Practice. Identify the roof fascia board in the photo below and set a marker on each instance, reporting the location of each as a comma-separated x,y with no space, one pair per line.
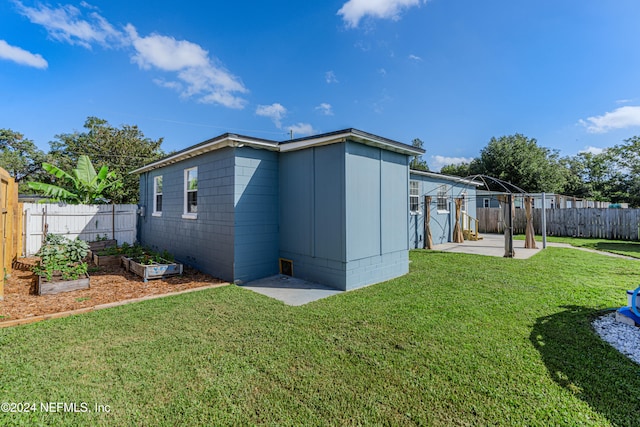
446,177
356,137
228,141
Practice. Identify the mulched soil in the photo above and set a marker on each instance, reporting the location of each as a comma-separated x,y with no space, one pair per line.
108,285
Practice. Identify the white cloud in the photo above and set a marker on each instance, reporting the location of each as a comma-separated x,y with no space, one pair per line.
415,58
198,74
382,72
620,118
437,162
301,129
21,56
593,150
354,10
330,77
166,53
66,23
325,109
276,112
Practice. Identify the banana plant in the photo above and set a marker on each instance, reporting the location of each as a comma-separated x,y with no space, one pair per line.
85,185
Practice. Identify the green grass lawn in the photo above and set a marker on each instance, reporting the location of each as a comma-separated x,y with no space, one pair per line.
627,248
460,340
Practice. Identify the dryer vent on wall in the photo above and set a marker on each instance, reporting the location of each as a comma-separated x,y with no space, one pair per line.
286,267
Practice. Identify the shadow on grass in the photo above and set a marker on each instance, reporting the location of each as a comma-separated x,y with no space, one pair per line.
630,249
579,361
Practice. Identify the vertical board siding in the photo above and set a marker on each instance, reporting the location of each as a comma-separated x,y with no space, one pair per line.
86,222
256,214
600,223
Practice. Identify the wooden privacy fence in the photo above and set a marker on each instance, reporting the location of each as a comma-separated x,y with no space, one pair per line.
87,222
10,225
601,223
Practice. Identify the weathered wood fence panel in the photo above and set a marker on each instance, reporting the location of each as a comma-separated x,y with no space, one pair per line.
10,226
87,222
602,223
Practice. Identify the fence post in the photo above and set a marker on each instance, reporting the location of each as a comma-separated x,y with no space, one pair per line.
544,221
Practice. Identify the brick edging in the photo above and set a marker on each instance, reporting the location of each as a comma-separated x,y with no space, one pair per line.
61,314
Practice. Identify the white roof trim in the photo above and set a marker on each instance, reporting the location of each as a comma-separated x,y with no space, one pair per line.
445,177
228,141
344,136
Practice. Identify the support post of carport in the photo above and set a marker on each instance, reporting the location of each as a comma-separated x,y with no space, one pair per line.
508,229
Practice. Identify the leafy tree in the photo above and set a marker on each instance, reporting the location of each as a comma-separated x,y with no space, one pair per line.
594,176
462,169
19,156
417,162
84,185
122,149
521,161
627,158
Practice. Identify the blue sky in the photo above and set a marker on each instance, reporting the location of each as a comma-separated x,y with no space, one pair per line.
453,73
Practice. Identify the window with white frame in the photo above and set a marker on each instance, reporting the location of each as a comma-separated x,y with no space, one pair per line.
485,202
442,204
414,197
157,195
463,196
190,193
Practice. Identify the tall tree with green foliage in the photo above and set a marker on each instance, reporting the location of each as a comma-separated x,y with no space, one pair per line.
519,160
460,169
594,176
82,185
627,158
417,162
121,149
19,156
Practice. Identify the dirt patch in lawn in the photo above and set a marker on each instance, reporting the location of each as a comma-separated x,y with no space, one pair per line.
108,285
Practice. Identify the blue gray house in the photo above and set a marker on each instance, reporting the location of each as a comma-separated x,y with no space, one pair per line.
330,208
442,190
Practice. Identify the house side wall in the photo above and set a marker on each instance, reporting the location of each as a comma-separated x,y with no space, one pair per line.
442,221
312,225
376,215
206,243
256,214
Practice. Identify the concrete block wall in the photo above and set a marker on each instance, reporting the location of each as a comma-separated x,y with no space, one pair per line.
206,242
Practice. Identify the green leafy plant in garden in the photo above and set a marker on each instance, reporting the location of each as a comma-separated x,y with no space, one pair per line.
83,184
62,257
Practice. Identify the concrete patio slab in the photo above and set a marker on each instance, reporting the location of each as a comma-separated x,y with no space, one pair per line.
290,290
490,245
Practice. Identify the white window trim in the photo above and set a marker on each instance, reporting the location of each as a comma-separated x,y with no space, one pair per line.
486,203
465,200
445,197
156,212
416,196
185,214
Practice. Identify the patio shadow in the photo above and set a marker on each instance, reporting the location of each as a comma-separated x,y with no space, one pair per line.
579,361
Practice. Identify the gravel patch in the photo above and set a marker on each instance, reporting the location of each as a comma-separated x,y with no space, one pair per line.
624,338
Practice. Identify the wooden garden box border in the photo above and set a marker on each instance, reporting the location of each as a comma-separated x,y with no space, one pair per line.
53,287
153,271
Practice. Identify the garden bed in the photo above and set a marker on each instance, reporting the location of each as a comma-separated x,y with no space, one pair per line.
108,285
106,260
57,285
153,269
102,244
